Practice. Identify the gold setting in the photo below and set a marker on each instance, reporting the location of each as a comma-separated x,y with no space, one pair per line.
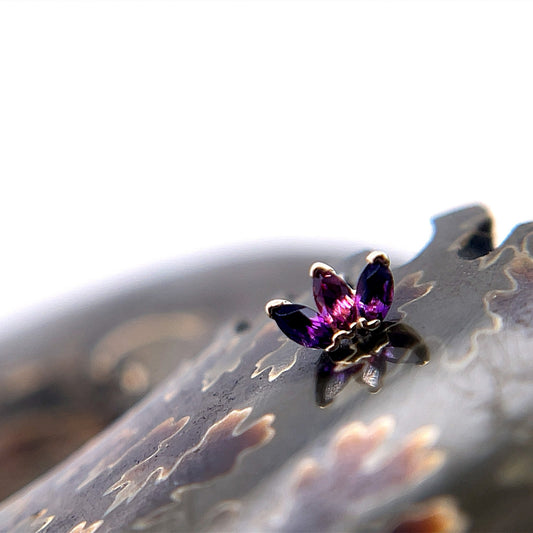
277,302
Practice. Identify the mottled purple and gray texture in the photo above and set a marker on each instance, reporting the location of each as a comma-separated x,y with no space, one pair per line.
233,438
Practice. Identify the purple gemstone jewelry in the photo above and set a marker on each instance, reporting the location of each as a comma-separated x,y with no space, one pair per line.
341,310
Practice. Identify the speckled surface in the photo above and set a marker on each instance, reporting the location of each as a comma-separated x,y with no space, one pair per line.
234,439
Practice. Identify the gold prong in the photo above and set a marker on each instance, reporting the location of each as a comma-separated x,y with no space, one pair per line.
377,256
373,324
337,337
318,266
363,323
273,304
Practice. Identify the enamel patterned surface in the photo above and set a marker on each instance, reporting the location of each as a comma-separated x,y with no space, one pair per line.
237,436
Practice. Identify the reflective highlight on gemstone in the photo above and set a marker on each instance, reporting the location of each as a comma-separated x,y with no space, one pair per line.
302,325
334,298
342,312
375,290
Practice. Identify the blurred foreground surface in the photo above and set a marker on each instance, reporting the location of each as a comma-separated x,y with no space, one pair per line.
244,430
67,376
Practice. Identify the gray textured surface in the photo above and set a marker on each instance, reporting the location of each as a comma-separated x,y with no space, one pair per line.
234,438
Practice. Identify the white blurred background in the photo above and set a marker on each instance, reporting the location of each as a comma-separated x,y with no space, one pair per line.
139,133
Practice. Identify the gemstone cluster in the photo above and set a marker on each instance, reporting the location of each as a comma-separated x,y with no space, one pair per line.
341,310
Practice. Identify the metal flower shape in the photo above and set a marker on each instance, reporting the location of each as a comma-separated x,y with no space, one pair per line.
341,310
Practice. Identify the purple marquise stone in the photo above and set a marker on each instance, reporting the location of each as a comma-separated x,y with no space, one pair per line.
334,298
374,292
303,325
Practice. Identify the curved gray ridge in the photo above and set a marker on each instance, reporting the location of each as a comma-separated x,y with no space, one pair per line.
206,445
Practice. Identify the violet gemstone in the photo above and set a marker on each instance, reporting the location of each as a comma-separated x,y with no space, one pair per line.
303,325
375,290
335,299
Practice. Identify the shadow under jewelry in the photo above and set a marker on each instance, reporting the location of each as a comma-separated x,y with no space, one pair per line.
364,358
